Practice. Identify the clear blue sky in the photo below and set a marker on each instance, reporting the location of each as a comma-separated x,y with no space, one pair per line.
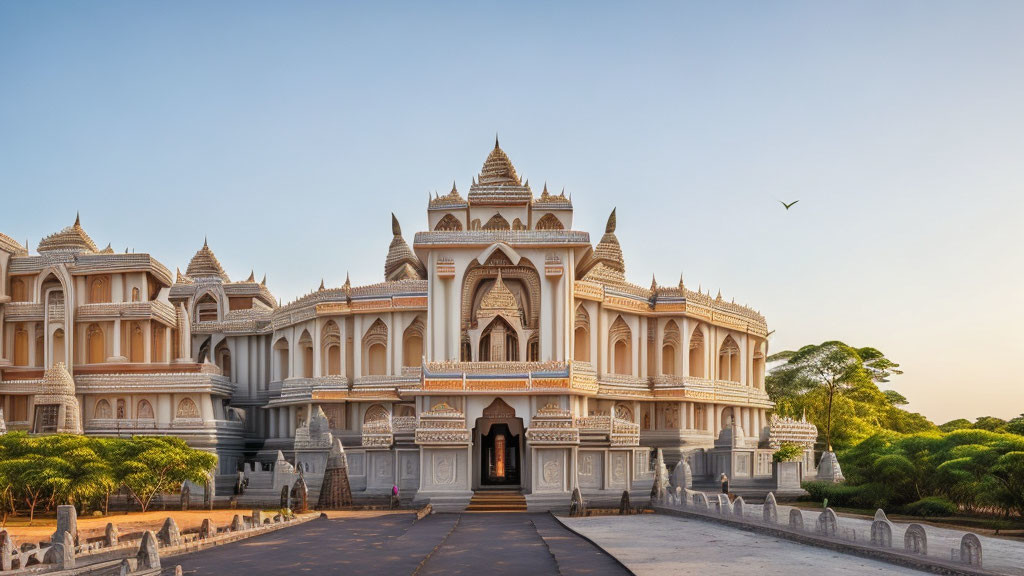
287,133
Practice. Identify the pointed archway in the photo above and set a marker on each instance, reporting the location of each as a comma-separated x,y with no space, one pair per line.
498,440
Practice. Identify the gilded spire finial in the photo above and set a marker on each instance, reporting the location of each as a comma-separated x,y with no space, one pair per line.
654,282
681,285
252,275
321,284
395,228
264,281
348,283
454,189
78,219
205,244
719,297
610,226
496,141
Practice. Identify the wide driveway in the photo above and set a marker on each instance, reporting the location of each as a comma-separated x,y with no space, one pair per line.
490,544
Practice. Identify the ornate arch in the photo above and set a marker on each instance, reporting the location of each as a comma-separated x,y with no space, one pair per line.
449,223
412,343
103,411
620,347
95,344
144,410
549,222
669,347
376,414
187,409
525,273
375,349
697,353
581,334
497,222
330,348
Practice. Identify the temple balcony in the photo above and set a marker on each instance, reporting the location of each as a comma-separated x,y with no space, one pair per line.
605,428
507,377
378,434
23,312
118,426
152,310
693,388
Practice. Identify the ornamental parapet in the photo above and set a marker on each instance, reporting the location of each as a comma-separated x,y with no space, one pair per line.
552,426
511,237
135,382
692,388
442,425
787,429
23,312
378,434
620,432
152,310
403,424
507,377
294,389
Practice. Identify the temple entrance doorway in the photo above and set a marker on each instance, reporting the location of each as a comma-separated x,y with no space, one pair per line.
498,438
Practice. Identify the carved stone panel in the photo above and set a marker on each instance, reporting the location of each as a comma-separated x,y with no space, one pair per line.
356,464
618,470
550,471
409,466
445,469
591,469
381,473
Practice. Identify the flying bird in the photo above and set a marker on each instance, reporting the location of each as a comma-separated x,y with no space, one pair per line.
790,205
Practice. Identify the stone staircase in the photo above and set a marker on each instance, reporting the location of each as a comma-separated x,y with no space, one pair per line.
497,501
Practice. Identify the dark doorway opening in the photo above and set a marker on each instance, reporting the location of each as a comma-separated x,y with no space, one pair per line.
499,457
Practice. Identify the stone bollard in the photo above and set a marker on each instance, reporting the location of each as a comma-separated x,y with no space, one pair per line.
576,506
125,568
169,535
6,550
237,525
770,510
970,550
915,540
177,570
62,554
149,553
827,524
737,507
724,506
257,518
881,532
111,535
206,529
796,519
880,515
67,521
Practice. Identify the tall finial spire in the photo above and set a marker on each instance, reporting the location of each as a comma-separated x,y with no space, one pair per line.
264,281
321,284
205,245
496,141
348,283
395,228
252,276
78,219
610,227
654,282
454,189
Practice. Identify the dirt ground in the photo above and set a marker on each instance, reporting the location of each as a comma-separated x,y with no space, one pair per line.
92,526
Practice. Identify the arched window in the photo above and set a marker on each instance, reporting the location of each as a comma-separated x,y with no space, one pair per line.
375,342
136,348
158,342
533,349
499,342
620,340
222,357
449,223
758,380
281,351
698,417
121,412
517,224
330,349
497,222
549,222
306,351
136,297
670,343
144,411
581,345
103,410
729,361
697,353
58,347
206,308
99,289
376,416
412,344
40,346
20,345
95,344
466,349
187,409
19,292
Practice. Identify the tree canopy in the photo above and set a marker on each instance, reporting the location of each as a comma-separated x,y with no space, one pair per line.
836,385
81,470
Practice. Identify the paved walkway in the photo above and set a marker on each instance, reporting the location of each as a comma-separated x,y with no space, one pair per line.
656,545
491,544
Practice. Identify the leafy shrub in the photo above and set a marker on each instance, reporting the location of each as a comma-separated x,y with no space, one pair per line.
931,506
788,452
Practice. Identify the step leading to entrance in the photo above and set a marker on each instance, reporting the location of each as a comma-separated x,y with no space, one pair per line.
497,501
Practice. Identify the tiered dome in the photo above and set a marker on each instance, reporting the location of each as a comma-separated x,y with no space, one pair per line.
70,239
499,300
401,263
205,265
498,169
610,266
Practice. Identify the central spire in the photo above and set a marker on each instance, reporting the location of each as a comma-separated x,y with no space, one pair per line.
498,169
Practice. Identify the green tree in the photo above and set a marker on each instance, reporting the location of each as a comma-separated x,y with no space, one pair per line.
990,423
958,424
147,466
829,370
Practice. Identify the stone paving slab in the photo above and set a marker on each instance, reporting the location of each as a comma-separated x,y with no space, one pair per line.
489,544
656,545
